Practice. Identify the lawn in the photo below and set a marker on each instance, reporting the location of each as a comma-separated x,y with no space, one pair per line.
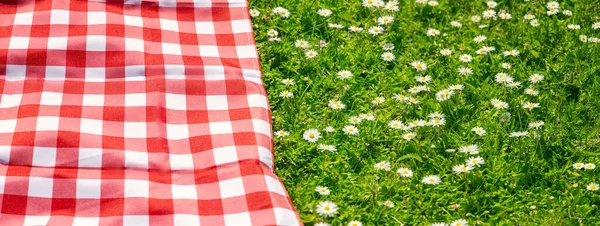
434,113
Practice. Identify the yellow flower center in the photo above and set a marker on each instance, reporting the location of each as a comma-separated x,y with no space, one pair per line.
312,135
327,208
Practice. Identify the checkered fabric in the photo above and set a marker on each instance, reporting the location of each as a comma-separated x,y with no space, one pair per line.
134,113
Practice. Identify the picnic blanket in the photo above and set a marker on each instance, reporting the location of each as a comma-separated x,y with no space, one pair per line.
134,113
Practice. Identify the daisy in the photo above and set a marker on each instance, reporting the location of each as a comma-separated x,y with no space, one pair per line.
272,32
378,100
574,26
535,78
456,87
368,116
432,179
498,104
455,24
475,161
344,74
465,71
551,12
327,208
275,39
421,1
490,13
385,20
567,12
596,25
503,78
388,56
505,16
420,66
459,222
281,133
590,166
311,135
476,18
592,187
465,58
462,168
506,65
324,12
436,115
578,165
423,79
472,149
392,5
388,203
376,30
395,124
332,25
479,38
282,12
536,125
352,130
445,52
513,84
529,16
286,94
478,130
552,5
505,117
329,129
327,147
519,134
491,4
288,82
323,190
433,3
409,136
435,122
444,94
438,224
322,224
531,92
355,120
383,165
254,13
354,223
583,38
433,32
368,3
388,46
530,106
534,23
336,104
311,54
405,172
355,29
513,52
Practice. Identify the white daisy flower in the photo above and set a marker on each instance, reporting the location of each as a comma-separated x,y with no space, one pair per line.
475,161
388,46
459,222
592,187
409,136
336,104
433,32
281,133
432,179
420,66
535,78
455,24
323,190
378,100
352,130
385,20
388,56
311,135
395,124
286,94
383,165
505,117
462,168
478,130
311,54
445,52
465,58
324,12
589,166
405,172
354,223
376,30
254,13
479,38
327,208
355,29
344,74
531,106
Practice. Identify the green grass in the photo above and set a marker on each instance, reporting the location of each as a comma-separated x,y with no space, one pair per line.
524,181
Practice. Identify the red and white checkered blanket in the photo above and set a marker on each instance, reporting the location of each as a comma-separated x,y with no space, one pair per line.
134,113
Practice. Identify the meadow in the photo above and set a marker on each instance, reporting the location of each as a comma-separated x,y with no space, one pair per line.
434,112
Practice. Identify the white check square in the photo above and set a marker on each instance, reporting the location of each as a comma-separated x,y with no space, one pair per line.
40,187
88,188
91,126
44,156
231,188
216,102
47,123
